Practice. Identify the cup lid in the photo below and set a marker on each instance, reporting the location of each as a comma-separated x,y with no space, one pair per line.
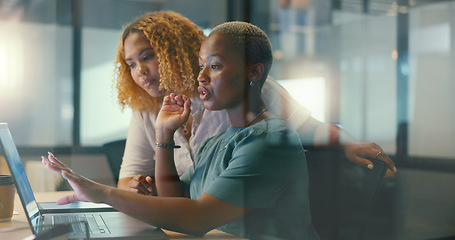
6,180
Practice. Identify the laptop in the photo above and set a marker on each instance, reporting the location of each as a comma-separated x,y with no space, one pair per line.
102,224
50,206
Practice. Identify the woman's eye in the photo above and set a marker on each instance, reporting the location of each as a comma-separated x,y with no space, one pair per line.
213,66
148,56
132,65
200,67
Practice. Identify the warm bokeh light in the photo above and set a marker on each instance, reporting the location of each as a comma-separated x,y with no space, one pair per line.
310,92
394,54
2,65
11,70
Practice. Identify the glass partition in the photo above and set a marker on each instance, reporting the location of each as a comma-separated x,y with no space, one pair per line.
35,74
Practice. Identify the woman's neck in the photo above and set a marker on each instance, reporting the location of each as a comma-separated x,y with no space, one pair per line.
244,115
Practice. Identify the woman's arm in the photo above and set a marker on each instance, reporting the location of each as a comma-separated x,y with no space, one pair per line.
185,215
315,133
189,216
173,114
356,151
138,157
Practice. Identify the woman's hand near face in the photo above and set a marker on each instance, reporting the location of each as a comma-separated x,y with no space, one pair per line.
173,114
85,189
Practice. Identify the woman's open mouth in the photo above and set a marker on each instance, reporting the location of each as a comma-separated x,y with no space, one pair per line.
203,93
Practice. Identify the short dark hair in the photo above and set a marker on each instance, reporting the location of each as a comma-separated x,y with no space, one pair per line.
258,48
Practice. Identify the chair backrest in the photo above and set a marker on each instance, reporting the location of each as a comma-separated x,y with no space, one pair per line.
342,194
114,153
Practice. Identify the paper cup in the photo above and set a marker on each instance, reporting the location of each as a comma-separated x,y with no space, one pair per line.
7,193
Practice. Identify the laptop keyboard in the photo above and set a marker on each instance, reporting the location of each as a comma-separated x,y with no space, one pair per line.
95,222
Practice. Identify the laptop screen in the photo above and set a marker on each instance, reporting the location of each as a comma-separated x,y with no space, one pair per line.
9,151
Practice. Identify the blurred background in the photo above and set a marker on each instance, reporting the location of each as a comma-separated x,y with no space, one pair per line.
382,69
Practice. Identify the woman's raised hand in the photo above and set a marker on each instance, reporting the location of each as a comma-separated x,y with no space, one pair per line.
174,113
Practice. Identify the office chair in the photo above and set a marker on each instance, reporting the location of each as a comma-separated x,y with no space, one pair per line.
342,194
114,154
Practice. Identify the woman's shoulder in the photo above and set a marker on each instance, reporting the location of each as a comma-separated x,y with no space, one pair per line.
271,128
144,118
145,114
268,138
272,125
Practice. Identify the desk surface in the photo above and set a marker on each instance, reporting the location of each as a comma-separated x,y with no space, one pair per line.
18,228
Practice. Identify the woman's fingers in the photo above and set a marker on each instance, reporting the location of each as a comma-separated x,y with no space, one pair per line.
51,165
138,185
376,152
52,158
55,161
68,199
86,190
172,98
187,106
166,100
381,155
175,99
151,186
359,152
180,99
54,164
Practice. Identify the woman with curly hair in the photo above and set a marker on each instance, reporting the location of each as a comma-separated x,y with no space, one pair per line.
158,54
174,41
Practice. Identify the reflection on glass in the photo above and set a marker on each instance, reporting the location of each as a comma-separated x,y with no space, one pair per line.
310,92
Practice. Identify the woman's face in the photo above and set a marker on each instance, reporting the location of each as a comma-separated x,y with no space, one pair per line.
222,77
143,63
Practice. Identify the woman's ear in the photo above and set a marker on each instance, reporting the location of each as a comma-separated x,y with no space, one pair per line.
257,72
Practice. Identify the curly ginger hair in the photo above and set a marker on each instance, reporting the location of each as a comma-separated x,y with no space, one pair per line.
176,41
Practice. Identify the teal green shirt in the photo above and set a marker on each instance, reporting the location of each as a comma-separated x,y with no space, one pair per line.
261,168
